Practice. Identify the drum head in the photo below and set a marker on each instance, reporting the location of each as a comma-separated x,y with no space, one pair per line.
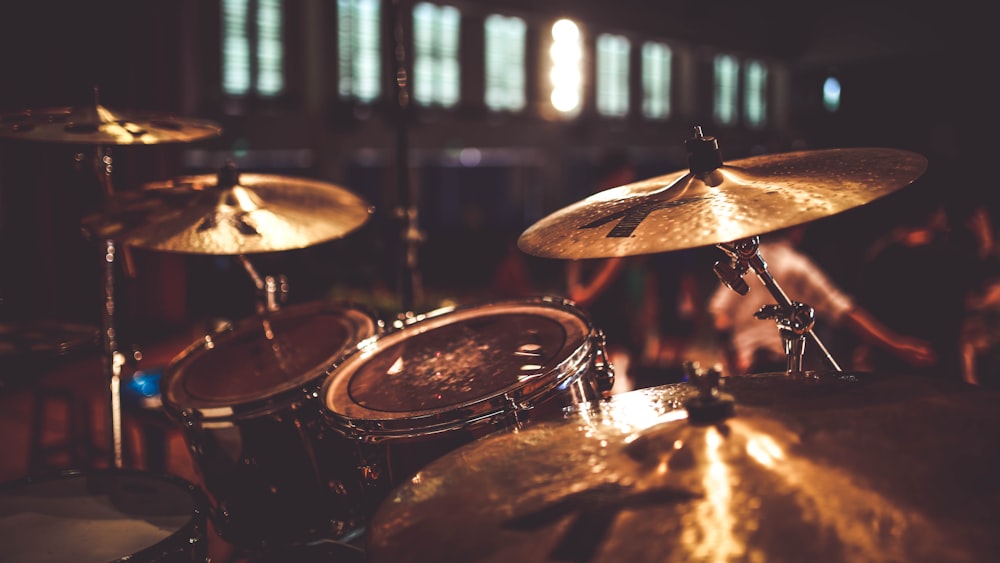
458,364
263,357
98,516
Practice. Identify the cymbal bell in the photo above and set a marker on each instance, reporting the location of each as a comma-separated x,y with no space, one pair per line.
230,214
721,203
816,467
98,125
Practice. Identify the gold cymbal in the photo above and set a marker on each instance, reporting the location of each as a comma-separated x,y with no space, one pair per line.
724,203
815,467
98,125
230,214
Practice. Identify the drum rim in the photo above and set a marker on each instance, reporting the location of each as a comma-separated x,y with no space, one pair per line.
191,534
366,324
487,406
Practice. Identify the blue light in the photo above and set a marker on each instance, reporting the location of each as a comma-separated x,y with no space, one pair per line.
831,94
146,383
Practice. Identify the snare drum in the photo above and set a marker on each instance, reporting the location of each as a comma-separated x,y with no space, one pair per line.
97,516
247,400
448,377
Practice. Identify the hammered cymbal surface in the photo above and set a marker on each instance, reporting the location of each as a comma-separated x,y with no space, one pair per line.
742,198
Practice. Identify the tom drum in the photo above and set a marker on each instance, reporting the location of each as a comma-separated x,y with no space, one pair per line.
450,376
247,400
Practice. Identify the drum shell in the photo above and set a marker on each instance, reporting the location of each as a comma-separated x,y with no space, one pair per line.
386,446
255,450
151,499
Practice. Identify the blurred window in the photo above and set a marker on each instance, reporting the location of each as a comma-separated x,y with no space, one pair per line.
566,70
436,76
358,49
657,59
726,74
612,75
252,48
831,94
505,68
755,93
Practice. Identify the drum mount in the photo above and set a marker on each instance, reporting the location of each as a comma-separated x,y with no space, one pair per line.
794,320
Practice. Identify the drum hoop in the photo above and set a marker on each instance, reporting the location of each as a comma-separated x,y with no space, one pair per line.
502,402
366,325
193,531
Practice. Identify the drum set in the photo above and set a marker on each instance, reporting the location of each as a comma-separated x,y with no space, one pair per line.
322,431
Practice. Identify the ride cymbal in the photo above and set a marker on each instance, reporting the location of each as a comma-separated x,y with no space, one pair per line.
718,203
817,467
230,214
98,125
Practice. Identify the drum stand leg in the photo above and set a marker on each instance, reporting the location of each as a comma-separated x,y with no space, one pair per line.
795,320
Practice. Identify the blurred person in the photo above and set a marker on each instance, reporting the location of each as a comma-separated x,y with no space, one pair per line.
751,345
611,290
923,275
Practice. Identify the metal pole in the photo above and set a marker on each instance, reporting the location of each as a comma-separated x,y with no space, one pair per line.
747,251
114,360
406,211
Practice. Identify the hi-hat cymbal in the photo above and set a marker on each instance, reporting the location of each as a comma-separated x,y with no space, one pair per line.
816,467
722,204
230,214
98,125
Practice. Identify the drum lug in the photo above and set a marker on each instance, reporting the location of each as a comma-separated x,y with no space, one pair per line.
604,371
515,413
370,474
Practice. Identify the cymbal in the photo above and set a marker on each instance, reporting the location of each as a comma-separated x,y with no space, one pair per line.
98,125
729,202
816,467
230,214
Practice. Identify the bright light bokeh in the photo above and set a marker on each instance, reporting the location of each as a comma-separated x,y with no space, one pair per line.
566,74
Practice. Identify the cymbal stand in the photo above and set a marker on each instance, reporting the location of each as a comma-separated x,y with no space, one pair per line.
270,289
794,320
406,210
114,359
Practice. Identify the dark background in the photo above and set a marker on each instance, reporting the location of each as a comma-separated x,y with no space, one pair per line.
915,77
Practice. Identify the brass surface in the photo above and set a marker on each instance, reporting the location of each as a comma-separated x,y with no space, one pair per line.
98,125
815,467
259,213
737,200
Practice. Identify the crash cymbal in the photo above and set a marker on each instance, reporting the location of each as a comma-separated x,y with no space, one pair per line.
721,203
98,125
230,214
815,467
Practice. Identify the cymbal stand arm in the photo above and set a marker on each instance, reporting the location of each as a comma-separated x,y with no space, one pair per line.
270,289
795,320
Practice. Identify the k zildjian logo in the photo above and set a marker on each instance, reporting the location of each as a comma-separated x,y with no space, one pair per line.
631,217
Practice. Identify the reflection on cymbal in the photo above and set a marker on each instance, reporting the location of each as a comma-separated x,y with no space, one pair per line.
813,467
98,125
230,214
726,203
